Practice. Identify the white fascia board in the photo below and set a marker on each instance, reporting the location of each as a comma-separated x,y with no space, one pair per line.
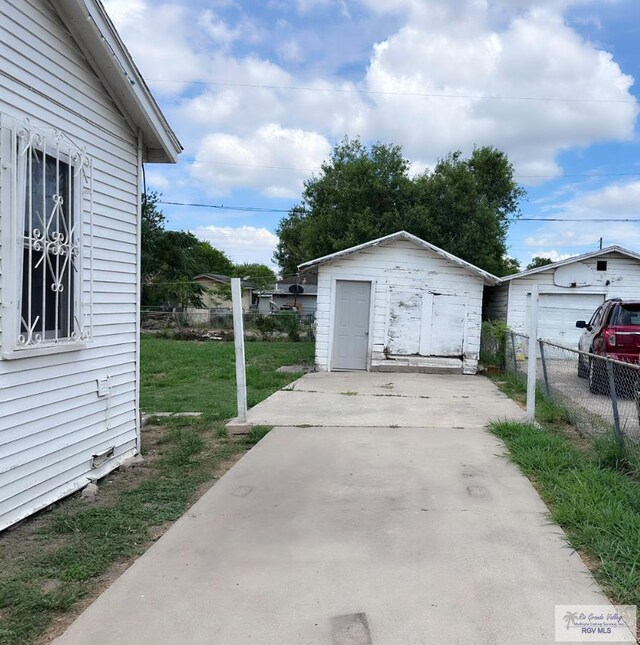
96,35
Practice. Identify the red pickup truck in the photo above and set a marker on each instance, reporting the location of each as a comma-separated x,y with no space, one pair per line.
613,332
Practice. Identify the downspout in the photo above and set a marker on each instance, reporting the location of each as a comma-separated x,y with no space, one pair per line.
138,412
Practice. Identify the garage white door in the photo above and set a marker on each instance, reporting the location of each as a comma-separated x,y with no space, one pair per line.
426,324
558,312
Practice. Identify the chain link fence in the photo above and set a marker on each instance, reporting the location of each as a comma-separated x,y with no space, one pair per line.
600,395
212,324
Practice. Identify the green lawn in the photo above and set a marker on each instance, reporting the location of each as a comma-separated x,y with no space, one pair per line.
592,489
189,376
56,560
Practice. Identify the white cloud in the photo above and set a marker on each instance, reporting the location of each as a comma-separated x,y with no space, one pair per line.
619,200
241,244
464,48
488,60
290,51
258,160
552,254
156,180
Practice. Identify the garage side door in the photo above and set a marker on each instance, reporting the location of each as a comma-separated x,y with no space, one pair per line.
558,312
351,325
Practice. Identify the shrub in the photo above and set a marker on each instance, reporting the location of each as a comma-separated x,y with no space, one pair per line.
266,325
493,343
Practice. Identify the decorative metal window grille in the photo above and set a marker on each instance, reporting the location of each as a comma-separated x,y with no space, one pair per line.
53,220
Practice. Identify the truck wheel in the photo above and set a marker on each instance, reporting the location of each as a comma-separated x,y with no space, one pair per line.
583,367
597,377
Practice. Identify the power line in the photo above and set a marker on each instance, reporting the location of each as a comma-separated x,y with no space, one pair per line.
260,209
300,169
245,209
577,221
346,90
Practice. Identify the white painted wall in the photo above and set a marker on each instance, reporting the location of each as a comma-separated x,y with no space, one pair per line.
51,419
399,266
623,275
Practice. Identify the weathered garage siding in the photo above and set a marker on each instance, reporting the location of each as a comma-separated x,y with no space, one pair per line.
496,301
623,275
403,266
51,419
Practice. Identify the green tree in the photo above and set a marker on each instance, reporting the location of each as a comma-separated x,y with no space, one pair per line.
464,205
170,260
360,194
259,275
208,259
511,266
538,261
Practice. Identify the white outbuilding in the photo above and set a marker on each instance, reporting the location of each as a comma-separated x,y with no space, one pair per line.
569,290
398,303
77,122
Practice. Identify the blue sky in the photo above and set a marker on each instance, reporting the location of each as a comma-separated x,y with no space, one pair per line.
259,93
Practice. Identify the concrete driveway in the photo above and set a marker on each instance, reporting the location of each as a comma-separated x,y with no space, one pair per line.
356,535
365,399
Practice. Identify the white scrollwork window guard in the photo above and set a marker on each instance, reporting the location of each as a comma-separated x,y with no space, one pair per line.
54,220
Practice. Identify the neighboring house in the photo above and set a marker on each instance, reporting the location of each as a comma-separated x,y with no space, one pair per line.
300,292
398,303
570,290
218,292
77,122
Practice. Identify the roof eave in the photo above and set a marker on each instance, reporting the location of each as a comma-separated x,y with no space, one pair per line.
92,28
488,278
576,258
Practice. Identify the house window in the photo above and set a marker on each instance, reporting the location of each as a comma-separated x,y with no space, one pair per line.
51,211
601,265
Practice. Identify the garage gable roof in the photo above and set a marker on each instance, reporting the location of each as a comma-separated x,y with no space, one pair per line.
91,27
403,235
571,260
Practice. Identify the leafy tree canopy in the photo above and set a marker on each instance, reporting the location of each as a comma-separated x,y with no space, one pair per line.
538,261
511,266
463,205
170,260
259,275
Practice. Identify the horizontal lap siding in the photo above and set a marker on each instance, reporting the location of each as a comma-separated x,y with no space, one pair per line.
51,419
400,264
623,275
495,302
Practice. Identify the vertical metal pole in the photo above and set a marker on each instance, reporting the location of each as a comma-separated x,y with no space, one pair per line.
513,349
238,335
614,404
531,359
544,369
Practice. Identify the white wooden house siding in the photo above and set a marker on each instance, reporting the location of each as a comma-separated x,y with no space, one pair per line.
51,419
622,274
496,302
394,267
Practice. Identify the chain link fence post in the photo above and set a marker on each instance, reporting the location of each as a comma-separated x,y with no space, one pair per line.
515,358
544,369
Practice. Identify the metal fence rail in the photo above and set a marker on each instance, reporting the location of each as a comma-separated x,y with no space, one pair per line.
256,325
600,395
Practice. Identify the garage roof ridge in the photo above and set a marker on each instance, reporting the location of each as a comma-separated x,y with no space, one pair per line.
403,235
575,258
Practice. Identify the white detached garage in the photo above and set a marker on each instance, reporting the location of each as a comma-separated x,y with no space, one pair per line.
398,303
570,290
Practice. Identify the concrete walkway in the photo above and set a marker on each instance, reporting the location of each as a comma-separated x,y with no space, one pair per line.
356,536
366,399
